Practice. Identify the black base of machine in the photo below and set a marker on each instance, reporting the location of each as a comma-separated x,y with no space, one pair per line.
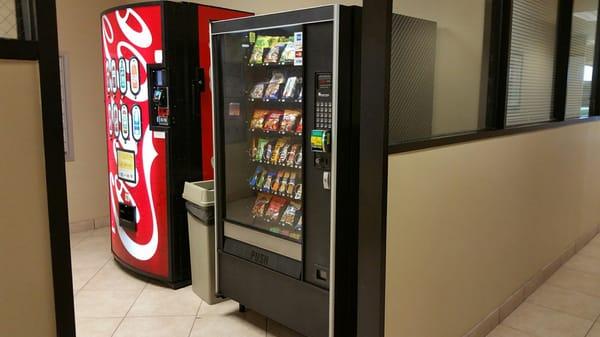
297,305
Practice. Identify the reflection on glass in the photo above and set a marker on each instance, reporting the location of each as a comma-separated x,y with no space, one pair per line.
8,19
262,108
437,59
531,62
581,58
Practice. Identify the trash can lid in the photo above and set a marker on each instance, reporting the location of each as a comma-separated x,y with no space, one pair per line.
200,192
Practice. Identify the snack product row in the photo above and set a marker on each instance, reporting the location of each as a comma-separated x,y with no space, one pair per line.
274,209
278,87
283,152
286,121
283,182
273,49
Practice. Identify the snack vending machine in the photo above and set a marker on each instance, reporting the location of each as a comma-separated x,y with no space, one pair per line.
286,163
159,129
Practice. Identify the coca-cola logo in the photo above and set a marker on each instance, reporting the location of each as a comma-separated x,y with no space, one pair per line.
129,45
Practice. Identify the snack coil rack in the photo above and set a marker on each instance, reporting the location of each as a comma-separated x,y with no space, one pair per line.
271,106
275,132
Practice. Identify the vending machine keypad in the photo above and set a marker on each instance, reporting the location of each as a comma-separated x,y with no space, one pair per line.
323,102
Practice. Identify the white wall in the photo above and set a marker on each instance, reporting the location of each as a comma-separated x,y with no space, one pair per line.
79,41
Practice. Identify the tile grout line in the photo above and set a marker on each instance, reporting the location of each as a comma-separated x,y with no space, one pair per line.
164,316
193,325
129,309
97,271
529,334
574,290
117,327
596,275
95,274
560,311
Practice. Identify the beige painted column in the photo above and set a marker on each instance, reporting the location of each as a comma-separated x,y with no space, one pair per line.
26,291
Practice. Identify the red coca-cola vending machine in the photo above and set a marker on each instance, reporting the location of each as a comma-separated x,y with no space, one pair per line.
159,129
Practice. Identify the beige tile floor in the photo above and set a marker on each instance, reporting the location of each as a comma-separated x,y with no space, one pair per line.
567,305
110,302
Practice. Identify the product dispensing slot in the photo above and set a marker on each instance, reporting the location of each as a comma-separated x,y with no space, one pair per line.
159,97
127,217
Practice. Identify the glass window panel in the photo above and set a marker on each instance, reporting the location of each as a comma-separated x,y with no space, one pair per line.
531,62
438,55
8,19
581,58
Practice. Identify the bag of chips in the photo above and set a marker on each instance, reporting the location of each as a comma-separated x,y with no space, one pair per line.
260,148
260,205
274,85
273,121
290,118
277,183
298,192
258,119
281,142
290,160
256,176
274,52
261,180
274,210
299,158
299,127
290,85
289,215
283,153
258,90
291,185
262,42
268,152
288,54
284,183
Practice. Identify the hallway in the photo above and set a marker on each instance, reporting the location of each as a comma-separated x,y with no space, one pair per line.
567,305
111,302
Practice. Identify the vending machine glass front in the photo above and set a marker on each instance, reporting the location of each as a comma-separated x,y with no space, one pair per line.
261,107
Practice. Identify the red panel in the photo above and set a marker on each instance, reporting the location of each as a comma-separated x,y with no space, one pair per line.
133,35
205,15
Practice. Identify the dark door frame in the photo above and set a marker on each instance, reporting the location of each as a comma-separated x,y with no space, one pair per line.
373,166
43,48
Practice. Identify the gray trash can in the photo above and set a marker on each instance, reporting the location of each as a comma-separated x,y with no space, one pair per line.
200,209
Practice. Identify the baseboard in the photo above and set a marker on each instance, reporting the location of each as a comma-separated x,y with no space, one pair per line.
101,222
491,321
89,224
81,226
